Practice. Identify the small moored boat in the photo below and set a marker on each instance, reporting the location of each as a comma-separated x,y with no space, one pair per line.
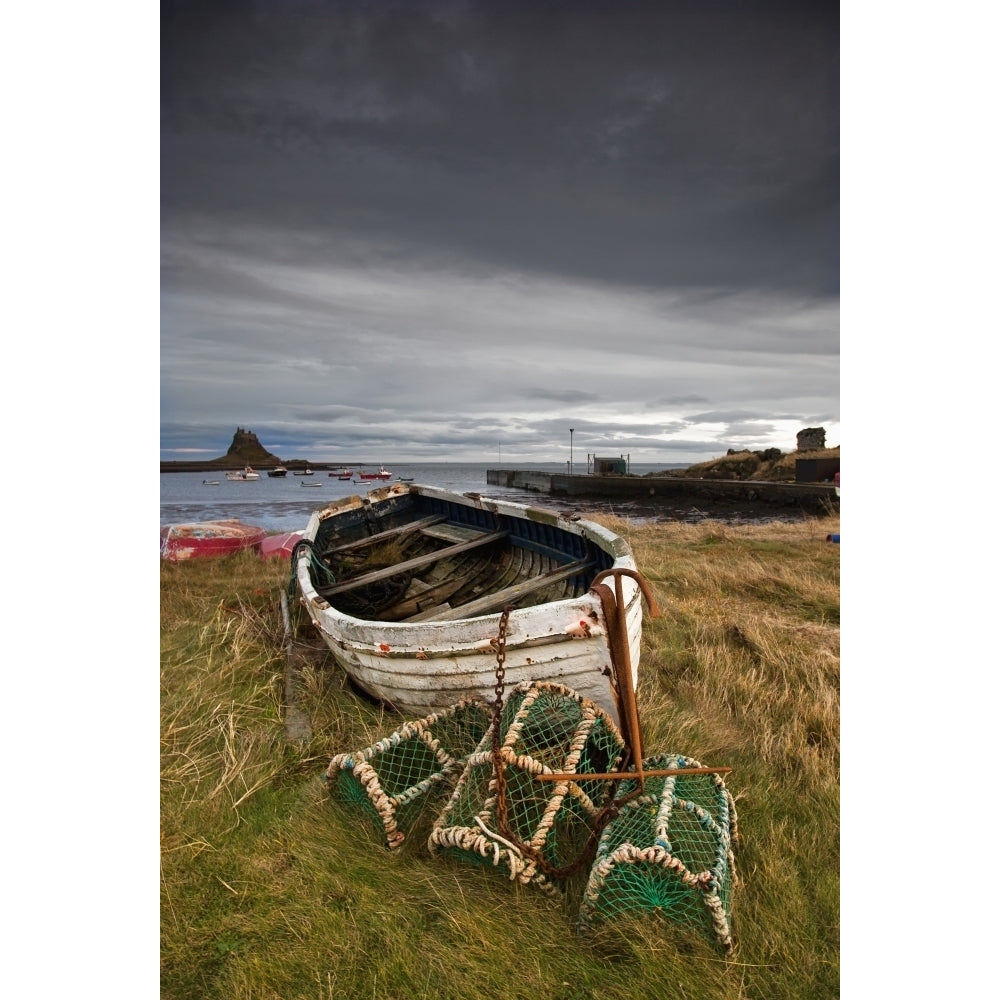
243,474
303,472
210,482
320,483
383,473
407,586
278,472
207,538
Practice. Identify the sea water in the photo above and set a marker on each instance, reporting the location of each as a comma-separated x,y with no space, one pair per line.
284,504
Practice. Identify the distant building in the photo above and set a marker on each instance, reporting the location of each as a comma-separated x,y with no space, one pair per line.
610,466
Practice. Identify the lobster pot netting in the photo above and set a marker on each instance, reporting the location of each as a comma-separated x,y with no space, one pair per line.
532,829
393,781
669,851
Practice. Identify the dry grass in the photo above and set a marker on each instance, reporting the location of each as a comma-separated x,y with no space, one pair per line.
751,465
382,555
269,889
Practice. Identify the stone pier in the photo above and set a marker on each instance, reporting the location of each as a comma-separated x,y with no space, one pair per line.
820,497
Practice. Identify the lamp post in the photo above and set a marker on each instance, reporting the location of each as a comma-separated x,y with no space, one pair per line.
571,451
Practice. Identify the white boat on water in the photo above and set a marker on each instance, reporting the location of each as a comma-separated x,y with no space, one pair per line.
242,475
407,586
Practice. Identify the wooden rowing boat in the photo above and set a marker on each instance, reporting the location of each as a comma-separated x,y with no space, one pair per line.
407,585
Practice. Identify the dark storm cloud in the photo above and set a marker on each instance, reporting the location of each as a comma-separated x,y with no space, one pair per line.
528,135
496,215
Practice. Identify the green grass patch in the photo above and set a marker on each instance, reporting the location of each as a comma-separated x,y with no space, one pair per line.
271,888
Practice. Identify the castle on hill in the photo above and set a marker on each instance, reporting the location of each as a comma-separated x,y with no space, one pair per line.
247,450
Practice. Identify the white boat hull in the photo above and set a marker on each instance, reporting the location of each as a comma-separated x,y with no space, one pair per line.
422,667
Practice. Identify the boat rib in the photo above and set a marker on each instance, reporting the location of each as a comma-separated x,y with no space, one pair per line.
378,575
513,594
383,536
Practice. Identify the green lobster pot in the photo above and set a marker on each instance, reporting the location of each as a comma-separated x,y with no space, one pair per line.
396,779
670,852
533,831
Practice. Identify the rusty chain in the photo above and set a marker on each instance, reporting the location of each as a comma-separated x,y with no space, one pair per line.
501,643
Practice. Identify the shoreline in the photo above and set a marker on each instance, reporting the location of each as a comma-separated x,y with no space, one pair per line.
657,499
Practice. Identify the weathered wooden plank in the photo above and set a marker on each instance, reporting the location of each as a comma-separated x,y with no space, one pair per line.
438,586
436,597
416,588
452,532
430,614
418,562
510,595
384,536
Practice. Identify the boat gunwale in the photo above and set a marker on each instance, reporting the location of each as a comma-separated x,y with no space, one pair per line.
420,635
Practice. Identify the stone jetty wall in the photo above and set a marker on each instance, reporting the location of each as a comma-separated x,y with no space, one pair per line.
818,496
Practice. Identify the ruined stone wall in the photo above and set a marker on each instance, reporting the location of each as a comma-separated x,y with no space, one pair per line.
811,439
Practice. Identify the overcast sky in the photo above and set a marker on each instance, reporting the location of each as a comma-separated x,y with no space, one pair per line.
434,230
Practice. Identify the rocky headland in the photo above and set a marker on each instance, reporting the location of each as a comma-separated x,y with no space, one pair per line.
245,449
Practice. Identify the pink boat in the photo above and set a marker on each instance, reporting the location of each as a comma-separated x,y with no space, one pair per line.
207,538
279,545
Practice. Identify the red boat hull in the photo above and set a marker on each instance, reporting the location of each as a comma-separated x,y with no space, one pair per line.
382,473
202,539
279,545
